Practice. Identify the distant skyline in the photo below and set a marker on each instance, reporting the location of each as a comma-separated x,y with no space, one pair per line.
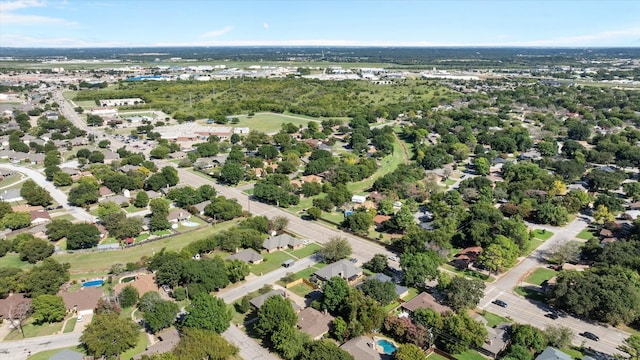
152,23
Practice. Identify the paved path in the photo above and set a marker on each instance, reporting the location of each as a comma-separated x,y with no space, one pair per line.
59,196
15,350
249,348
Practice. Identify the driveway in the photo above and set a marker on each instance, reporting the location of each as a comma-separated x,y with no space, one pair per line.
249,348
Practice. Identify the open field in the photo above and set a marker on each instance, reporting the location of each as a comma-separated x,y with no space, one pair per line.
271,262
540,276
31,330
101,261
307,250
269,122
13,260
585,234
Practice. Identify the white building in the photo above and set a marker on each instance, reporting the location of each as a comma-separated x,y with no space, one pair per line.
104,111
121,102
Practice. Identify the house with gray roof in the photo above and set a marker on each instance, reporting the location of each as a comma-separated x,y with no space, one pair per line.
67,354
553,354
249,256
281,242
314,322
343,268
259,301
201,206
11,195
153,194
401,291
362,348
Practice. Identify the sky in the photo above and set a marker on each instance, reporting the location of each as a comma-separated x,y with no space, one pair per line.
149,23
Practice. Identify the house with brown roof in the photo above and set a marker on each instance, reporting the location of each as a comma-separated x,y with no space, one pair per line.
311,178
424,301
249,256
606,233
40,217
281,242
83,301
465,258
314,322
379,220
105,192
26,208
168,339
144,283
178,215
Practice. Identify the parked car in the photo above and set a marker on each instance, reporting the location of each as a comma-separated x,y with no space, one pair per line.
500,303
552,315
79,318
590,335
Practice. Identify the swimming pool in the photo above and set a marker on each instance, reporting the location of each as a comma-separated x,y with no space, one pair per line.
387,346
190,223
93,283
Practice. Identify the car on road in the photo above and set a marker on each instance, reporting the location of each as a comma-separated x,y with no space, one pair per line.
392,258
590,335
500,303
552,315
353,260
79,318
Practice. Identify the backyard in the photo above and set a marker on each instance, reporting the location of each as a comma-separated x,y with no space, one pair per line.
539,276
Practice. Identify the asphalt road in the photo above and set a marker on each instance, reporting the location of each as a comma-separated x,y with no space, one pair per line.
531,312
363,250
59,196
15,350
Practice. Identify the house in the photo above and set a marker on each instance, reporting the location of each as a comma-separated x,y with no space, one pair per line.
362,348
178,215
126,168
168,339
11,302
105,192
144,283
606,233
401,291
11,195
497,337
74,173
314,322
379,220
52,116
153,194
249,256
103,231
358,199
40,217
343,268
39,231
83,301
110,156
177,155
634,206
67,354
465,258
26,208
311,178
201,206
119,199
376,197
259,301
281,242
553,354
424,301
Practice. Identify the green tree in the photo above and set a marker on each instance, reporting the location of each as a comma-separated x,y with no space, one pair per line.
231,173
377,264
335,249
5,208
324,350
335,292
409,352
128,296
161,315
48,308
62,179
45,278
160,152
359,222
35,195
631,346
34,250
82,236
528,336
518,352
159,211
558,336
108,207
142,199
314,212
383,292
500,255
57,229
289,342
462,293
208,313
83,194
203,344
419,267
237,270
109,335
482,165
16,220
275,313
463,332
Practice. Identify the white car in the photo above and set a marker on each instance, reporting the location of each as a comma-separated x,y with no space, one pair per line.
79,318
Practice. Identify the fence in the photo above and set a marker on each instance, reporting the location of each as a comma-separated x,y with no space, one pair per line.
300,281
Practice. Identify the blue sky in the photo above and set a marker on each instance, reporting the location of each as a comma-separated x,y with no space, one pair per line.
123,23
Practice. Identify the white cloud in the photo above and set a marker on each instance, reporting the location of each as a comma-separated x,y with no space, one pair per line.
265,25
16,40
216,33
589,39
10,18
20,4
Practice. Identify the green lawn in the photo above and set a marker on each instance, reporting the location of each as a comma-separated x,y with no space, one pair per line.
413,292
267,122
449,182
434,356
529,293
533,244
387,165
542,234
70,325
82,262
31,330
540,276
45,355
469,355
469,273
161,232
573,352
143,340
13,260
307,250
392,305
142,237
493,319
271,262
301,289
585,234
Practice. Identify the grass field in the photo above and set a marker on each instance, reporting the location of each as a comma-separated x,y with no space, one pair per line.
434,356
13,260
143,340
269,122
387,165
469,273
99,261
70,325
540,276
529,293
271,262
542,234
585,234
301,289
493,319
533,244
307,250
31,330
469,355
